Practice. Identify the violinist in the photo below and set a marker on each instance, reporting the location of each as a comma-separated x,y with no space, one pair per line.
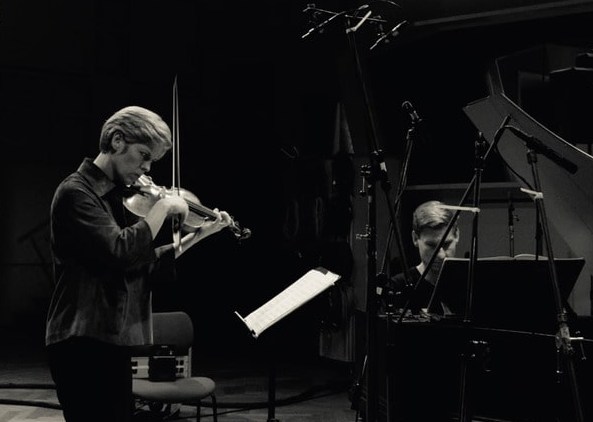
104,260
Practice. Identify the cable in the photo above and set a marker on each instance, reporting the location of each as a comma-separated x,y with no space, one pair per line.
297,398
312,393
34,403
28,386
512,170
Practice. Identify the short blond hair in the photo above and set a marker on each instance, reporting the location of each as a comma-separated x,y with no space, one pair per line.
429,215
137,125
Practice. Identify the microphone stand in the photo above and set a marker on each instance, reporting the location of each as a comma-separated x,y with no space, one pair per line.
372,173
403,177
411,293
538,234
403,180
511,223
382,278
272,390
318,28
563,338
469,352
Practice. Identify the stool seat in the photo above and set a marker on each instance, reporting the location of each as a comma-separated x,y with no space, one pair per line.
185,390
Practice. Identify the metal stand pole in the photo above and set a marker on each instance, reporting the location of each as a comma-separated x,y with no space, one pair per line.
563,339
469,354
272,393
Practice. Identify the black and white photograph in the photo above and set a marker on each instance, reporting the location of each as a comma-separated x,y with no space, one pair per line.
290,211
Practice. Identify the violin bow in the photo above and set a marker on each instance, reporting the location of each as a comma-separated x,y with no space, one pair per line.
176,176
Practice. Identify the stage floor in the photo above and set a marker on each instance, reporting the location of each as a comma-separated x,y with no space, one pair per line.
316,391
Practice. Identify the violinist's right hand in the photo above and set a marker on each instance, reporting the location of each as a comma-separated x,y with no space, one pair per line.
175,205
163,208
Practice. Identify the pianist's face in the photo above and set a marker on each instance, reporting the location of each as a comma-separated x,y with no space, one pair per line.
427,241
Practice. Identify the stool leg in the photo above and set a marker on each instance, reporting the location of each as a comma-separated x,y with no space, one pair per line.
198,411
214,408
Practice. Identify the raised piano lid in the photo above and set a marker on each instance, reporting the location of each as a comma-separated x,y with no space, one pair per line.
568,198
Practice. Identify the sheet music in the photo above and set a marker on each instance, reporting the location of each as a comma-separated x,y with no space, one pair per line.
301,291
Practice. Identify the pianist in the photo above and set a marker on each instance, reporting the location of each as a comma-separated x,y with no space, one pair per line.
429,223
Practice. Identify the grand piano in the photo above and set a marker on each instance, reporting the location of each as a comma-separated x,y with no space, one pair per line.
517,372
514,376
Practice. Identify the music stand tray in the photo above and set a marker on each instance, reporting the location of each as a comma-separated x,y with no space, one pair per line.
512,293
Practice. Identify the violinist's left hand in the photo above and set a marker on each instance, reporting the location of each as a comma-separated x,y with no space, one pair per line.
223,219
209,227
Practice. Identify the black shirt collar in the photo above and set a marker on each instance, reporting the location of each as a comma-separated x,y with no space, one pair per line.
98,180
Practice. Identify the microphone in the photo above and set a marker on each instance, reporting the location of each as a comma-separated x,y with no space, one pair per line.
393,33
359,24
409,108
319,27
538,146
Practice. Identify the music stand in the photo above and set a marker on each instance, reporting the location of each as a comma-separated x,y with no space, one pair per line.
311,284
509,293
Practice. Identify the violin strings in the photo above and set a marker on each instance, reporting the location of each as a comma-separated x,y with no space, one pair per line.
200,209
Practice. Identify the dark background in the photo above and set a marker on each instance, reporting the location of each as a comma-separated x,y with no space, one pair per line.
257,115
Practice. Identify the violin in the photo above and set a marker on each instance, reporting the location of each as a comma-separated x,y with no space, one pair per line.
145,193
